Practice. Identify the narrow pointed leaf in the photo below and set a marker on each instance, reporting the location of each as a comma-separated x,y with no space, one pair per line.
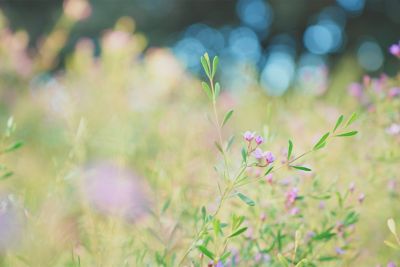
347,134
207,90
238,232
215,66
392,226
338,122
206,252
14,146
268,171
217,89
352,118
321,143
246,199
205,66
302,168
290,149
219,147
228,115
6,175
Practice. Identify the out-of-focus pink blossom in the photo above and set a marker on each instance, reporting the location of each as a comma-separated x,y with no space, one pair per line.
269,157
393,129
394,92
258,153
291,196
394,49
77,9
259,140
248,136
356,90
352,187
269,178
361,198
113,190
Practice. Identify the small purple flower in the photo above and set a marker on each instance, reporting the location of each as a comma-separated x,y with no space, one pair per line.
219,264
391,264
339,251
291,196
258,153
294,211
394,92
394,49
259,140
361,198
269,157
321,205
392,185
248,136
393,129
113,190
269,178
352,187
356,90
366,80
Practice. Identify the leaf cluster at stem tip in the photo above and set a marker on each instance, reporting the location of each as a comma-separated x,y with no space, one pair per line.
211,89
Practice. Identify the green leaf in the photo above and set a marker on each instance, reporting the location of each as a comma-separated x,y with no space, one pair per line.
14,146
207,90
321,143
237,221
203,213
301,263
328,258
319,197
283,260
246,199
244,154
392,226
225,256
205,65
217,89
166,205
290,148
207,58
230,142
347,134
351,218
216,226
215,66
338,122
219,147
268,171
238,232
206,252
326,235
392,245
6,175
301,168
352,118
228,115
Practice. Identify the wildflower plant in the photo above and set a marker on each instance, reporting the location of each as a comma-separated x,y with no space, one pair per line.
279,237
8,145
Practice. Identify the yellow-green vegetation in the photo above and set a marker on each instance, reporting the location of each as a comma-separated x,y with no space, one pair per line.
123,160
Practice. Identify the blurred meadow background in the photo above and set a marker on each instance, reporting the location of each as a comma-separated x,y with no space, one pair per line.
113,155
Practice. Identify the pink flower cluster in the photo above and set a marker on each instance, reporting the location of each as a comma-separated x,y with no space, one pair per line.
290,200
372,88
394,49
264,157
